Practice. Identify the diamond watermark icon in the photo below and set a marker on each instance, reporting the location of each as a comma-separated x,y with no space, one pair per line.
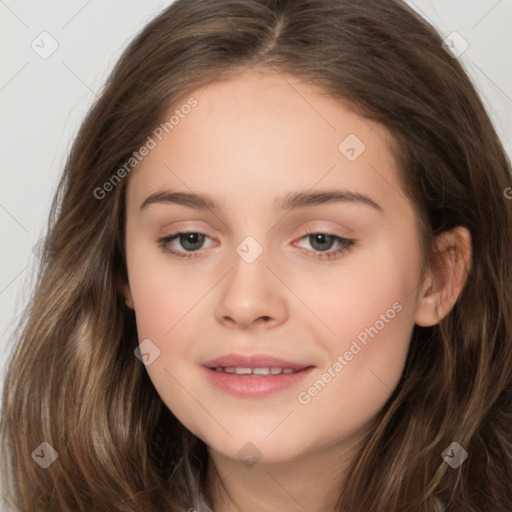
249,454
249,249
44,45
45,455
351,147
455,45
147,352
454,455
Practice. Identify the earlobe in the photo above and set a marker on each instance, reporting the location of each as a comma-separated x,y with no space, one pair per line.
427,313
446,276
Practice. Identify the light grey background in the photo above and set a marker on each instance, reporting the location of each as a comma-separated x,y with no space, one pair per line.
43,101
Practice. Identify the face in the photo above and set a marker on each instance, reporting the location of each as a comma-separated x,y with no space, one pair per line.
327,285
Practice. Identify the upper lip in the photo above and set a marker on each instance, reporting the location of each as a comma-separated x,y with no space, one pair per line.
252,361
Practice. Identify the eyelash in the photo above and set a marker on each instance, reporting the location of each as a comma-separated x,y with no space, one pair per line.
347,244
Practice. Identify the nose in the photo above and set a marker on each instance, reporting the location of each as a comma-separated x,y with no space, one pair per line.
251,295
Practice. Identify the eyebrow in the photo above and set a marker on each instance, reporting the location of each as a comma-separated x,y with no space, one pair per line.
291,201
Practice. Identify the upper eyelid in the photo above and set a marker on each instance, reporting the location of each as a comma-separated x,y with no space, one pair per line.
307,232
322,229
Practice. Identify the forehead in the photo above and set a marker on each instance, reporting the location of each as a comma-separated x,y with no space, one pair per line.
268,130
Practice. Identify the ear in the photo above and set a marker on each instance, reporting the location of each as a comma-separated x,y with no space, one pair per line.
445,276
128,295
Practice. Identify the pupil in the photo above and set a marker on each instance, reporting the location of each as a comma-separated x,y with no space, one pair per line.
191,238
321,239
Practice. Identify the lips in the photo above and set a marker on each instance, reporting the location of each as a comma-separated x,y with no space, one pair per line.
253,361
256,376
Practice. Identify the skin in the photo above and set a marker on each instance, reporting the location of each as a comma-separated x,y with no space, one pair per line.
249,141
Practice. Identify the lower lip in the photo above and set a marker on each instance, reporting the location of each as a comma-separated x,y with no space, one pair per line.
250,386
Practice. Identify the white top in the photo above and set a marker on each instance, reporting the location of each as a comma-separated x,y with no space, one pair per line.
204,507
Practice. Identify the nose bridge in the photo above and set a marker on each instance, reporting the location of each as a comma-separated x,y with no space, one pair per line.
250,274
251,291
250,250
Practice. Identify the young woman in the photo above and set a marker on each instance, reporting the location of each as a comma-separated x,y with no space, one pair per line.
277,277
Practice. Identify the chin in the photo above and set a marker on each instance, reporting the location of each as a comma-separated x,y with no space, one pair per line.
256,449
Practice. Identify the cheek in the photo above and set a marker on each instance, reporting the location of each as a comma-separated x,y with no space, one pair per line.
363,366
365,371
164,316
355,295
167,305
164,294
374,322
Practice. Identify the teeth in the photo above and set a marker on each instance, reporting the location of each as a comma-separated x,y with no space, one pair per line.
262,371
255,371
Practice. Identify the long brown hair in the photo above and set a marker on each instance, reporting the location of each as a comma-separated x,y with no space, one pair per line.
73,381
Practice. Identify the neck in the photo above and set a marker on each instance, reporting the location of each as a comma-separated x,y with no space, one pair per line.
311,481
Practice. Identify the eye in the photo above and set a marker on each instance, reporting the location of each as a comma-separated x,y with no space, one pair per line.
323,242
189,240
192,242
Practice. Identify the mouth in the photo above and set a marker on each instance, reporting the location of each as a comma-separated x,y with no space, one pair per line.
260,364
257,372
254,376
